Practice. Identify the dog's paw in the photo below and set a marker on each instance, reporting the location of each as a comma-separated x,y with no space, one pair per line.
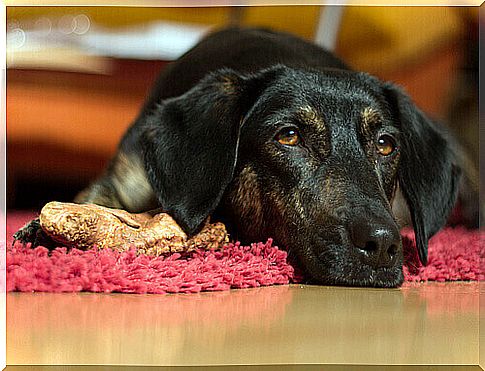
32,233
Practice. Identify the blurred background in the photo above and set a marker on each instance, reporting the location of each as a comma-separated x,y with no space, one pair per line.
77,76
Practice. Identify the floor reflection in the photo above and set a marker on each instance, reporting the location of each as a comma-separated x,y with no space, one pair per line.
156,326
430,323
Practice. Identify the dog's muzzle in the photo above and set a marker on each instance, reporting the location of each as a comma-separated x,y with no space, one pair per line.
363,251
376,242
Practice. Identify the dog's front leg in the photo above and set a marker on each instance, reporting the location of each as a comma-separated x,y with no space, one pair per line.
32,233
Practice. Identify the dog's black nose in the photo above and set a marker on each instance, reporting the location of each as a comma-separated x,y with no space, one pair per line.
379,242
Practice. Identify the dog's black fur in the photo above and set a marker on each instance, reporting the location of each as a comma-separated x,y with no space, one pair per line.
208,142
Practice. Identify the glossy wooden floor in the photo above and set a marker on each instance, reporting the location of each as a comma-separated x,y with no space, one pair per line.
417,324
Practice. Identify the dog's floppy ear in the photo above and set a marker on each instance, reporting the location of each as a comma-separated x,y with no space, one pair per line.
191,143
427,174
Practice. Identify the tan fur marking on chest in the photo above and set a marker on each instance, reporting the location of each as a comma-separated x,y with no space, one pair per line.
131,182
229,85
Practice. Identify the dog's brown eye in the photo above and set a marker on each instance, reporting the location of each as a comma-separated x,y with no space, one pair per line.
288,137
386,145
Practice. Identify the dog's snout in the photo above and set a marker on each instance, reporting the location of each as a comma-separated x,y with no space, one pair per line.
379,242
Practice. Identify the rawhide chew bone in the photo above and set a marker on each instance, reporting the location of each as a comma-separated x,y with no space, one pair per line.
84,225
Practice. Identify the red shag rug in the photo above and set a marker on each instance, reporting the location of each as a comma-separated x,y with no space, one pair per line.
454,254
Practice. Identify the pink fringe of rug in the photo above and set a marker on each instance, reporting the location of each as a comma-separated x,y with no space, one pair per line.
454,254
111,271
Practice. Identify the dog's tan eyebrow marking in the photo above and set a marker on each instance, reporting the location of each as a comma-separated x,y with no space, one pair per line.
309,115
370,118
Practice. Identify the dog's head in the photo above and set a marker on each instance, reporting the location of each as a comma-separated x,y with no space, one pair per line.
310,158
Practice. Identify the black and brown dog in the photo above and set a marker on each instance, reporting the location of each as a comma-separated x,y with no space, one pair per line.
278,138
